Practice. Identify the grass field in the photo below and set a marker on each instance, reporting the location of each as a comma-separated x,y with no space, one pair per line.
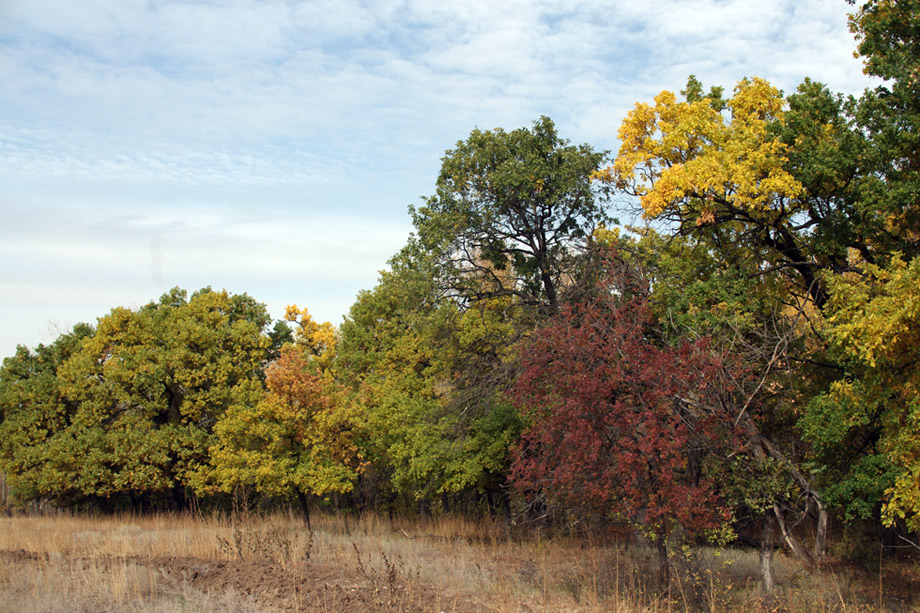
162,563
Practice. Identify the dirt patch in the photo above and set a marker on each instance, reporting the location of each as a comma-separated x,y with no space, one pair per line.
21,555
311,587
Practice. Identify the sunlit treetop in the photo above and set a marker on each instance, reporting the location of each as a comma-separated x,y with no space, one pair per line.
319,339
688,158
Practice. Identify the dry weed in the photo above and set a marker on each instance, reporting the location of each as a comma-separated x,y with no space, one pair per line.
164,562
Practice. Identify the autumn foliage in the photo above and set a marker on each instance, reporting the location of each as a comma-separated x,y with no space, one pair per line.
620,422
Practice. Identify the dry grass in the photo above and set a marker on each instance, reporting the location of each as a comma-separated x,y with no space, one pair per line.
88,564
147,564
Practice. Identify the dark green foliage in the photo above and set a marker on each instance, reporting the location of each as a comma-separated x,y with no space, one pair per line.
33,411
888,33
128,408
509,212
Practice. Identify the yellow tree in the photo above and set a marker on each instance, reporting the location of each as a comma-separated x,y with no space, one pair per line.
746,171
318,339
687,158
128,415
875,322
299,436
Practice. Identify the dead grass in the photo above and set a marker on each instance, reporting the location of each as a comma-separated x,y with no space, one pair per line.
183,562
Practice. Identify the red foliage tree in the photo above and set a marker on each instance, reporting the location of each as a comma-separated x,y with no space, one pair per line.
619,422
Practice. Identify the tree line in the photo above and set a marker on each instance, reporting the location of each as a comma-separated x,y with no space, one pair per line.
746,361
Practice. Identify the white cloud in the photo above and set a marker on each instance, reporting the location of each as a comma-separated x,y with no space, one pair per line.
74,265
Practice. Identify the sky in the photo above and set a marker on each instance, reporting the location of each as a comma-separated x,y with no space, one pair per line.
273,147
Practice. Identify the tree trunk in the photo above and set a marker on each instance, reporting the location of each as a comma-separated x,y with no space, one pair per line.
549,287
762,448
794,544
506,509
491,503
821,534
664,573
766,555
304,508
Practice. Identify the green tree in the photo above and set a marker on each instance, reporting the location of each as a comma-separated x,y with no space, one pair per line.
888,36
406,351
33,410
142,394
860,424
866,427
510,212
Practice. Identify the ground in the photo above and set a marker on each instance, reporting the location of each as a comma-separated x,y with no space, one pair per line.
167,563
265,585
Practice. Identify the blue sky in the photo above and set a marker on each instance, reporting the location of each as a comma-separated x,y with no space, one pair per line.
272,147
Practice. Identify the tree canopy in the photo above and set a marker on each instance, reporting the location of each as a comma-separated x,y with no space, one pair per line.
509,212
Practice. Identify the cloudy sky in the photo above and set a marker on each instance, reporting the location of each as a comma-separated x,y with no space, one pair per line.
272,147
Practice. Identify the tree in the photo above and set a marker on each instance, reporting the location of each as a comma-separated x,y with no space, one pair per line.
33,410
495,246
387,357
888,36
870,419
140,397
773,188
755,170
860,420
317,339
412,357
621,423
519,202
767,381
299,436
